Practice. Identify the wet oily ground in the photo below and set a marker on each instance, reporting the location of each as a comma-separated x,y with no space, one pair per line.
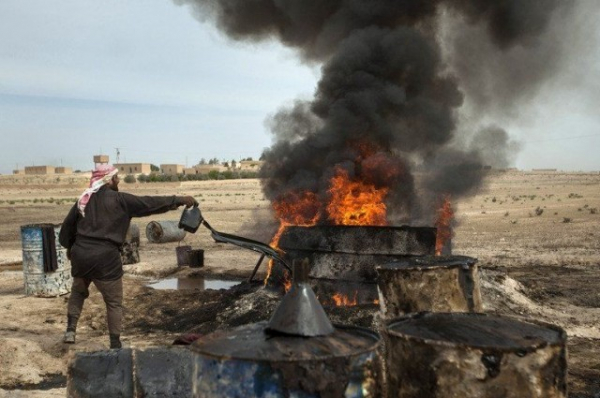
154,316
201,312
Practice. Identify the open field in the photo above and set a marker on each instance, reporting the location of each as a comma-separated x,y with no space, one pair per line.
536,235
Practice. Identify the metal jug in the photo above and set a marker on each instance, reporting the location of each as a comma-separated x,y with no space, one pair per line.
190,219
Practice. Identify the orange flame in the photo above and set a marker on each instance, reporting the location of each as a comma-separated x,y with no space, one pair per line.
444,225
355,202
352,201
342,300
293,209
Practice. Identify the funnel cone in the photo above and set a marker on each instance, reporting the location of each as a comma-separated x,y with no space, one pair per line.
300,313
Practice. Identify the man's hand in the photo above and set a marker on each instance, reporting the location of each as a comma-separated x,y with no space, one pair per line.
187,201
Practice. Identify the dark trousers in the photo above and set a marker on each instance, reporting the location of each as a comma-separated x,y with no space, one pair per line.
112,293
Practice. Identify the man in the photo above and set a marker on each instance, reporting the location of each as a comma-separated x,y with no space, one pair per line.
93,232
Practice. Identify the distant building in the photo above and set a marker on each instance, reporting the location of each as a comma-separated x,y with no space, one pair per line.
102,159
63,170
43,170
171,169
133,168
207,168
190,171
19,171
250,165
204,169
545,170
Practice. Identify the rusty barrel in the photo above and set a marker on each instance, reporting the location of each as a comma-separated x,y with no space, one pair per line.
37,281
429,283
130,253
247,362
164,231
435,355
183,255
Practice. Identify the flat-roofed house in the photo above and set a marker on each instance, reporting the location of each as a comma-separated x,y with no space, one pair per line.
171,169
133,168
250,165
39,169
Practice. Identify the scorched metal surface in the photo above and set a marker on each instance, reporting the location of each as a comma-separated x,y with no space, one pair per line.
429,283
247,362
435,355
351,252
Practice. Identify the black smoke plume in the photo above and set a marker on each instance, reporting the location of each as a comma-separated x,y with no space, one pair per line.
393,82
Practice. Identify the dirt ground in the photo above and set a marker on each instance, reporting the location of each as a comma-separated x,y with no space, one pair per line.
536,235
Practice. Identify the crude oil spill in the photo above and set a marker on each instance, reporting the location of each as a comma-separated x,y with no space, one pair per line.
192,284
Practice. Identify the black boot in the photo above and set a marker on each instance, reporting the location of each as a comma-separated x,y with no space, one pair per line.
69,337
115,341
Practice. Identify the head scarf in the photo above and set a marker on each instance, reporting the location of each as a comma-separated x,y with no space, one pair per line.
100,177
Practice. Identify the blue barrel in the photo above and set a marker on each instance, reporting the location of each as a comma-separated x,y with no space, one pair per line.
38,282
247,362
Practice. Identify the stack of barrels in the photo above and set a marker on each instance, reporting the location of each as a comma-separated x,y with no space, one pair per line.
439,343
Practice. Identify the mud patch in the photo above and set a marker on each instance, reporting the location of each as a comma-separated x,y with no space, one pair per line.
584,367
576,286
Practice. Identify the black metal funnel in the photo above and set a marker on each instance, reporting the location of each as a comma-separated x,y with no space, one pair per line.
300,313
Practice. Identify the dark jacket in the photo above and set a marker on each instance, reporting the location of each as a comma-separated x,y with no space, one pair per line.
94,241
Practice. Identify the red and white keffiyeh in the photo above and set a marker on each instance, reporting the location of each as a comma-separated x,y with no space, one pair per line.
100,177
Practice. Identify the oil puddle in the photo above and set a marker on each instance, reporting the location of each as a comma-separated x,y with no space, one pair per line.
192,284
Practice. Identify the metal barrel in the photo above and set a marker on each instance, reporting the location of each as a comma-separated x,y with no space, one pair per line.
164,231
457,354
247,362
349,252
133,234
429,283
183,255
38,282
196,258
130,253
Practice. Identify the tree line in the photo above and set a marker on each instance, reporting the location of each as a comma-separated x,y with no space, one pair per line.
211,175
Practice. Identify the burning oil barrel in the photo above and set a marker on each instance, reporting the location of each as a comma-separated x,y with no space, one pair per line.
247,362
352,252
46,269
435,355
130,253
164,231
429,283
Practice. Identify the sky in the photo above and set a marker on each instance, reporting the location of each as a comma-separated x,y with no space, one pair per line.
80,78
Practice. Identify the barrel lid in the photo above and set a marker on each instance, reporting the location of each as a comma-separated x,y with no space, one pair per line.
37,226
477,331
428,262
250,342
